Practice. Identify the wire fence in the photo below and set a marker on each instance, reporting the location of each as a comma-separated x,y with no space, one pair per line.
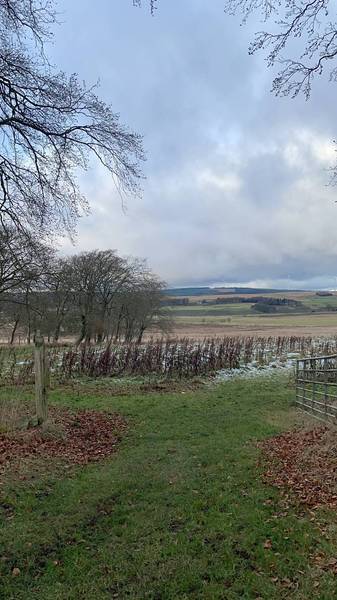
316,386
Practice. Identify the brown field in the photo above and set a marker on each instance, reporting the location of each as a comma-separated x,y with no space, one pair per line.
261,327
200,331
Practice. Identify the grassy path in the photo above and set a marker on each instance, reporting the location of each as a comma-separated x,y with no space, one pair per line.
180,512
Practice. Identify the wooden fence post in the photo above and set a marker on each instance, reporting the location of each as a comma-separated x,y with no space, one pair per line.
41,378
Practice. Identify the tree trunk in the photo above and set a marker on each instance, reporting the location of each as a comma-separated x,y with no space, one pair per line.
140,337
57,330
41,378
14,330
83,331
118,328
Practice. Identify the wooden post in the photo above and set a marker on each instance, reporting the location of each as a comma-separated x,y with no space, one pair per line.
41,378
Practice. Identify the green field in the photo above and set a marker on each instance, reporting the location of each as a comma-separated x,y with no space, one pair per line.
261,321
216,310
197,314
320,303
180,512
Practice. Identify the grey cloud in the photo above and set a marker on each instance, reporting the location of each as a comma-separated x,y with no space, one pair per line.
236,179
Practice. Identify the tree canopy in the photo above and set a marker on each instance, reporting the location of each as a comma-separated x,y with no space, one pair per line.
96,295
51,125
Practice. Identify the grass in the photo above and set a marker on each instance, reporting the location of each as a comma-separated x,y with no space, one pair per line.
277,320
241,313
180,512
212,310
320,302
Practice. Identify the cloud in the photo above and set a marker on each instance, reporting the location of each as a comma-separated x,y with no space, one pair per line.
236,187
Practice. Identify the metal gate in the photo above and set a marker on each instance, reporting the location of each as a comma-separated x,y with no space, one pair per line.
316,386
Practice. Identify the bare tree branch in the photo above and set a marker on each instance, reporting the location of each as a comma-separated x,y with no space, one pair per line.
50,127
303,28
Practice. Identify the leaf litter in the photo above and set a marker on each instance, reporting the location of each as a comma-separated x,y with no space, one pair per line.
77,437
303,462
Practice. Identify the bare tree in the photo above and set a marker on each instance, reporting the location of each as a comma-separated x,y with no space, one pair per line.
115,273
25,267
97,296
115,298
307,29
61,298
153,4
12,315
144,309
23,260
138,306
50,125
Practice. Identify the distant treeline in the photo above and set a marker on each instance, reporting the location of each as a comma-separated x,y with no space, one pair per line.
234,300
96,295
208,291
272,305
257,299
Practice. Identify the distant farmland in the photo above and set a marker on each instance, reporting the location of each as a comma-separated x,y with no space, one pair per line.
314,315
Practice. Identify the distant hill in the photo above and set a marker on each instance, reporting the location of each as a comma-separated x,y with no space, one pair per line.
200,291
188,291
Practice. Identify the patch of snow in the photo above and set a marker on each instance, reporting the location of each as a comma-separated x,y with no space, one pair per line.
254,369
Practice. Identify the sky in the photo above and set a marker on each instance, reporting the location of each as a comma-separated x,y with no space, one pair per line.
237,188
